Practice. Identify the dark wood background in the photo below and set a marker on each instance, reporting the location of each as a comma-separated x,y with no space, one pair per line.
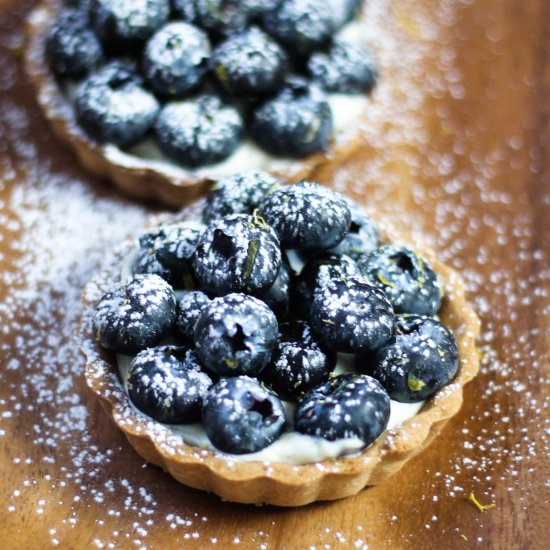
457,152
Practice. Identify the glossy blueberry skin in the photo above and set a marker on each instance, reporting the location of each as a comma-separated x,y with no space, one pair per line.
72,48
241,416
113,107
249,63
352,316
298,363
343,68
167,384
175,59
238,194
277,296
235,335
238,253
190,306
134,316
168,252
421,358
409,282
316,273
125,24
306,215
362,236
347,406
295,123
199,131
301,25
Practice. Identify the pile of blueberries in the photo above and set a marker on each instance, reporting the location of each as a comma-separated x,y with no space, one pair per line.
201,75
246,329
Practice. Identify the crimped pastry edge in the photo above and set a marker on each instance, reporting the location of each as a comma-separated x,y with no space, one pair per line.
145,183
276,483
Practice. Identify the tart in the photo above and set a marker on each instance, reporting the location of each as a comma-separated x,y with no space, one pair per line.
142,169
240,467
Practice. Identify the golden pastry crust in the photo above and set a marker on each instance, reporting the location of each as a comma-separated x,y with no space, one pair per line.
143,180
277,483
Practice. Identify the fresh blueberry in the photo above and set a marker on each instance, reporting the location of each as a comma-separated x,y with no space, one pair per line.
277,297
410,283
238,253
344,11
238,194
301,25
241,416
299,362
236,335
199,131
135,315
317,272
306,215
167,384
190,306
72,48
351,316
343,68
113,107
175,59
362,236
249,63
122,24
295,123
219,17
420,359
347,406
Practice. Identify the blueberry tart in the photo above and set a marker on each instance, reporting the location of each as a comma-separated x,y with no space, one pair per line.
286,370
164,97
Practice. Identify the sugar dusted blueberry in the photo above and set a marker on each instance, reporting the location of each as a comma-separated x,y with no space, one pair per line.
352,316
135,315
343,11
167,384
241,416
236,335
306,215
410,283
199,131
347,406
277,296
190,306
238,253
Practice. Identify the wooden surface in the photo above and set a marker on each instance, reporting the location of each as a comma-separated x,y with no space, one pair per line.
458,152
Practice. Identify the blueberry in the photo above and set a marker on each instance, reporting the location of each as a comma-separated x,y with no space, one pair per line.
241,416
168,251
167,384
347,406
175,59
113,107
135,315
295,123
362,236
351,316
306,215
219,17
344,11
301,25
72,48
249,63
318,271
277,297
420,359
190,306
199,131
299,362
238,194
122,24
410,283
237,253
343,68
236,335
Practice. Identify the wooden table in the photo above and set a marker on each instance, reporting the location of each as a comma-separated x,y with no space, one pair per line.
457,152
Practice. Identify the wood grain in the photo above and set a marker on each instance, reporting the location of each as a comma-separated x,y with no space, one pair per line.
464,164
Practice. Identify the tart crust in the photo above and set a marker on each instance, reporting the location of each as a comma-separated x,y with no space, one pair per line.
174,188
277,483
